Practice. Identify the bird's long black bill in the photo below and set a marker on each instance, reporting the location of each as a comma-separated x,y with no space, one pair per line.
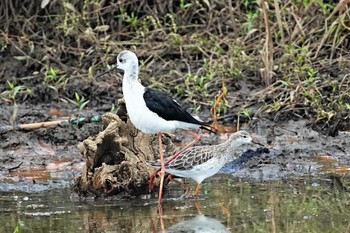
209,128
103,73
255,142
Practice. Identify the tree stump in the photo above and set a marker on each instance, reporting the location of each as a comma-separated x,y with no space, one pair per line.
116,159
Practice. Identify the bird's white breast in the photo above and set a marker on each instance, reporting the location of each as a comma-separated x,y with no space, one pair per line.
142,118
202,171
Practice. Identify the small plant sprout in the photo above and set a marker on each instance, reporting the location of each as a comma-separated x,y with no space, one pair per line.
132,19
247,112
185,5
347,105
196,107
10,95
17,228
50,74
78,101
54,80
173,23
113,108
251,16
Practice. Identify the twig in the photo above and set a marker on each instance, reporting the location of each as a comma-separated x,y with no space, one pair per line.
13,168
215,124
279,19
268,47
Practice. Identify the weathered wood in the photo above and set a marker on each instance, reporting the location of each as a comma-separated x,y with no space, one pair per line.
116,159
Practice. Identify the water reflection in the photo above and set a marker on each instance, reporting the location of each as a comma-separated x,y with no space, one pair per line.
303,205
198,224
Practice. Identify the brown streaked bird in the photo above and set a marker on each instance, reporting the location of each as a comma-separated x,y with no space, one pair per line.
201,162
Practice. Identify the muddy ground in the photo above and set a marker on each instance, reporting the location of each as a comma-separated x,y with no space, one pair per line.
34,160
286,66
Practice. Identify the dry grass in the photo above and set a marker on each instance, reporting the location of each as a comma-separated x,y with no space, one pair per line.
297,50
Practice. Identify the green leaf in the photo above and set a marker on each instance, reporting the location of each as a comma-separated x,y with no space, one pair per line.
11,85
72,102
52,87
21,58
16,90
17,228
187,5
77,97
61,79
347,106
83,105
64,100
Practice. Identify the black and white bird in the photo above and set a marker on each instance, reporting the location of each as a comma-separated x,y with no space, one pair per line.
154,112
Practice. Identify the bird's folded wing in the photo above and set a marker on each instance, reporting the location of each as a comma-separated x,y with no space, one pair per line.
166,107
188,159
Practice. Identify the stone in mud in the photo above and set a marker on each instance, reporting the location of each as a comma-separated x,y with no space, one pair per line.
115,160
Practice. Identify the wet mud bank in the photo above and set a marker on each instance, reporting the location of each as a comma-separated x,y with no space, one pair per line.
294,150
110,157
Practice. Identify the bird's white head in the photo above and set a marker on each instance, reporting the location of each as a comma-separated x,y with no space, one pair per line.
239,138
128,62
234,145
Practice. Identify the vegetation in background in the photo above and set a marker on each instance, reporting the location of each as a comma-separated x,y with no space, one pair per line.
79,101
10,95
297,52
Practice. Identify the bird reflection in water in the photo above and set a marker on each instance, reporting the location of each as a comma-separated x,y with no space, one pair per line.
198,224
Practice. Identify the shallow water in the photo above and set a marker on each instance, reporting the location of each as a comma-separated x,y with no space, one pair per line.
225,205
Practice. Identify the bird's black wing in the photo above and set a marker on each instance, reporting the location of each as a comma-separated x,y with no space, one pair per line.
167,108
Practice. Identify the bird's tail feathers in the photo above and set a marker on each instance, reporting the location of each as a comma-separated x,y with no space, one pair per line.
209,128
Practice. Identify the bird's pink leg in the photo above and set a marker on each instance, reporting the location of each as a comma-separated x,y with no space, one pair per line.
153,175
197,190
162,170
187,193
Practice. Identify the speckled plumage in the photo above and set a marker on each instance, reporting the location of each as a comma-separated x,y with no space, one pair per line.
195,156
201,162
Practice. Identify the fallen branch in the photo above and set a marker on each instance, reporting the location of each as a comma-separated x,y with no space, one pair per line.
31,126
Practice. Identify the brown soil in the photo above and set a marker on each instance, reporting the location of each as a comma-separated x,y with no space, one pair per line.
295,150
303,113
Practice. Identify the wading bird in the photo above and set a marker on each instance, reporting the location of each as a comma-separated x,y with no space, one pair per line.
201,162
154,112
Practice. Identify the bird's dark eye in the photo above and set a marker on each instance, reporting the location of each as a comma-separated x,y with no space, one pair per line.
121,60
